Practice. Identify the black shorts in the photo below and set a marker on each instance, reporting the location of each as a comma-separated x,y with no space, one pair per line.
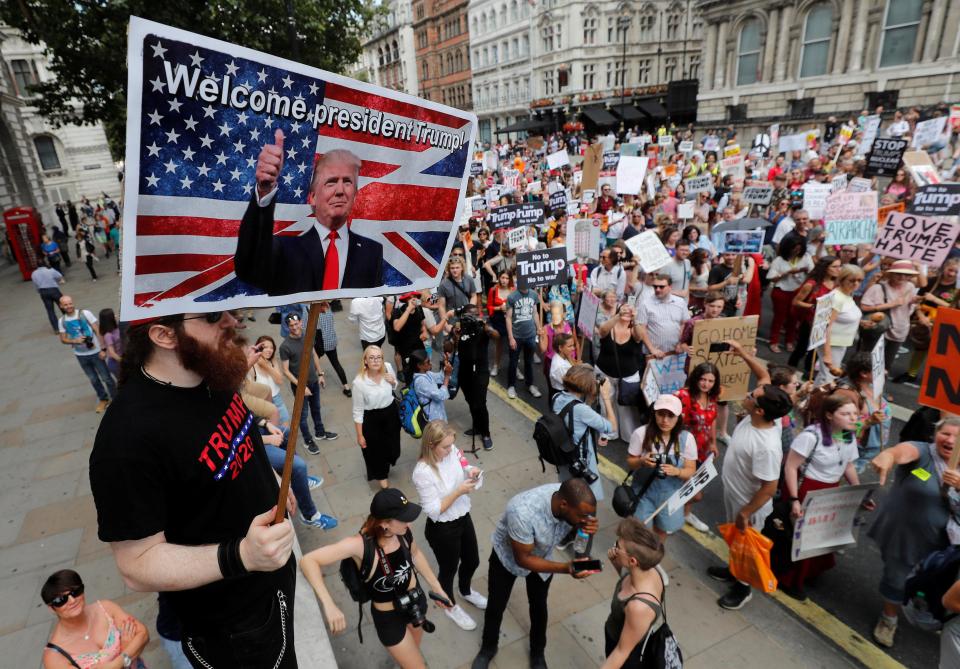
392,625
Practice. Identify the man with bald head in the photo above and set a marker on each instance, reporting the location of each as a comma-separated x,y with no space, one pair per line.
327,255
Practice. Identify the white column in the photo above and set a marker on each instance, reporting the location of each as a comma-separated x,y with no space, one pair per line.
783,43
859,36
709,57
719,79
773,21
931,47
843,37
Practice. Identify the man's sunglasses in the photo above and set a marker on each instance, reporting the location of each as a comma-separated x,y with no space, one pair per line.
214,317
60,600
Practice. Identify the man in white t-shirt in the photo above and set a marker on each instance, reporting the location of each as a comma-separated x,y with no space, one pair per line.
751,470
78,328
367,313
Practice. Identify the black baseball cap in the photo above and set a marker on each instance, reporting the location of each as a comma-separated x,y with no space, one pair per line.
775,402
391,504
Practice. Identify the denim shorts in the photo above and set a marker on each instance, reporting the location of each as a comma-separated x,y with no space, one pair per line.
654,497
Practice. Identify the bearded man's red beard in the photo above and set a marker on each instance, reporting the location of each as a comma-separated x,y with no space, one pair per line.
222,367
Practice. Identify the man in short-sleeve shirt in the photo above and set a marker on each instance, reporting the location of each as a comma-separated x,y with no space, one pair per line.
534,523
78,329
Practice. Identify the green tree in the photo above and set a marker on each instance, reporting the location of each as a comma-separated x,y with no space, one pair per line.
86,41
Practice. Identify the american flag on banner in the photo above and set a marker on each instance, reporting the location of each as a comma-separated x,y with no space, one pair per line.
191,157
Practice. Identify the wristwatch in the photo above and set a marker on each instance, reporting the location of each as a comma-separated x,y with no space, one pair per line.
127,660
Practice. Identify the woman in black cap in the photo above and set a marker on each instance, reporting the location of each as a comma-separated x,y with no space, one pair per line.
396,567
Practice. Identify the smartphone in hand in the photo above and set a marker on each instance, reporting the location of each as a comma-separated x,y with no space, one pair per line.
587,565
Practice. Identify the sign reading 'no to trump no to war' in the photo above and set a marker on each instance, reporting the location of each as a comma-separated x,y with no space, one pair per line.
377,215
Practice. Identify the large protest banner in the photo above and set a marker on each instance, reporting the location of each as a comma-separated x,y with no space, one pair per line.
515,215
851,218
547,267
941,384
885,156
707,346
910,237
828,520
200,112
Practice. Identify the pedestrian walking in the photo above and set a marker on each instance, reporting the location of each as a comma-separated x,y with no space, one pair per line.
375,415
78,329
47,281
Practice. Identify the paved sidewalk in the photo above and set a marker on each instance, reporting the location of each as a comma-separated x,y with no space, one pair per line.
47,522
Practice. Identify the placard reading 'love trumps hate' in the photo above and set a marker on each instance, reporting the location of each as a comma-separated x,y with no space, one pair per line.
921,238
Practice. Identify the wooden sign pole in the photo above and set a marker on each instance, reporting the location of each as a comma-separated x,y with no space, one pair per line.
306,359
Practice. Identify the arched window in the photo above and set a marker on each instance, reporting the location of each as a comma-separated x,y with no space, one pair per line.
380,55
426,70
513,10
748,53
816,40
493,19
503,14
475,25
483,23
901,22
47,152
396,50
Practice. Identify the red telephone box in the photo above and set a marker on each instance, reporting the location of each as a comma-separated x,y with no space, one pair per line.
23,230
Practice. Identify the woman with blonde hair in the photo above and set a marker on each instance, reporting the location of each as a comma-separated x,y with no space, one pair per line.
375,415
845,322
444,482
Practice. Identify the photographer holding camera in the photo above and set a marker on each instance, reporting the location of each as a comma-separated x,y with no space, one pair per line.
78,328
663,444
398,604
581,385
472,336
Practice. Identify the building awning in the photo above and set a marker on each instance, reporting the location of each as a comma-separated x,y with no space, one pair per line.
628,113
652,108
523,125
600,117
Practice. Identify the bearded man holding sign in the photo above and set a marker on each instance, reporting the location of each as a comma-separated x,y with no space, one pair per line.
328,256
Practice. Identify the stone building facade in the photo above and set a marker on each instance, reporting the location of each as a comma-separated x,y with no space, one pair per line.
799,61
20,182
73,160
442,43
389,56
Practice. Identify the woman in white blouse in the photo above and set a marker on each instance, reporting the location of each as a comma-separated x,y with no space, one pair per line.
375,415
444,482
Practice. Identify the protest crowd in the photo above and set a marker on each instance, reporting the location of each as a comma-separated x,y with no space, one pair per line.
644,278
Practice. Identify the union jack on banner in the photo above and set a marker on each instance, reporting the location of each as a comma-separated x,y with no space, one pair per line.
191,157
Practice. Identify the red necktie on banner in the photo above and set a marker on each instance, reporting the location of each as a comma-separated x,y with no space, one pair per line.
331,267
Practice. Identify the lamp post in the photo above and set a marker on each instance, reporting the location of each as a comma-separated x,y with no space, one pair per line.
623,22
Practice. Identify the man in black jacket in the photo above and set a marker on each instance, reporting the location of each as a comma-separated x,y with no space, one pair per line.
328,256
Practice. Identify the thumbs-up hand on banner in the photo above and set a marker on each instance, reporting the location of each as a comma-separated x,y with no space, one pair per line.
269,164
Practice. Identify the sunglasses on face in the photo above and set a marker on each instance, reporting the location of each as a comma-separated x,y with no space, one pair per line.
58,601
212,317
656,287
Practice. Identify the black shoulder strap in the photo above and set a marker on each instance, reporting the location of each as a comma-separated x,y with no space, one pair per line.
366,562
73,663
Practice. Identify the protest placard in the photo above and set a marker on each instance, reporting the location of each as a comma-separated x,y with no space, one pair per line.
584,242
610,160
665,140
592,164
476,168
921,168
731,150
815,199
630,173
649,251
711,143
669,170
588,196
859,185
189,246
515,215
788,143
844,135
630,150
558,199
838,183
884,157
558,159
758,193
871,127
701,184
740,241
761,144
650,384
828,520
493,196
707,346
851,218
477,204
929,132
490,161
884,211
937,200
547,267
941,384
821,319
774,137
670,372
878,365
686,146
587,313
573,208
516,238
685,210
734,167
955,117
704,474
924,239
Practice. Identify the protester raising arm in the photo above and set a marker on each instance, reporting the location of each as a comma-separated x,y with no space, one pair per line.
756,365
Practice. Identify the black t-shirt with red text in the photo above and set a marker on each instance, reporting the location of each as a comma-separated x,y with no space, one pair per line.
190,463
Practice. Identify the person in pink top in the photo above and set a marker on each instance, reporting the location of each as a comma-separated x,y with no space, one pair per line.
102,635
556,325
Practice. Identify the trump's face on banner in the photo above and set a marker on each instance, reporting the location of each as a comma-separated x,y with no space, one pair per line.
334,188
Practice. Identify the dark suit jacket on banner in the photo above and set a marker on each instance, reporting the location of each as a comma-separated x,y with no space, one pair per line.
283,265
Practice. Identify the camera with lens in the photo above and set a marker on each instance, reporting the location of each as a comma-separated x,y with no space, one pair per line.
579,469
408,603
470,325
88,342
660,459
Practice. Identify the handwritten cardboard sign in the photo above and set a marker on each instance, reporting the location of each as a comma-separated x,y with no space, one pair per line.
924,239
587,315
851,218
815,199
828,520
821,319
707,346
759,194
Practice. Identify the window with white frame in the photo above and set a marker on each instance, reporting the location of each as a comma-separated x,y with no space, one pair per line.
748,53
548,79
645,65
901,23
694,66
670,68
647,22
47,152
547,34
589,76
590,30
815,51
673,26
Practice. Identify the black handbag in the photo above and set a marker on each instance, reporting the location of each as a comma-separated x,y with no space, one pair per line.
626,496
629,393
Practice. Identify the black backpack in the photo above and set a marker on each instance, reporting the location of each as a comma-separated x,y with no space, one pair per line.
553,434
357,579
925,587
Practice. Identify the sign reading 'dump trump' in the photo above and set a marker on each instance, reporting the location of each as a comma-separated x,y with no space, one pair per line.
256,181
542,268
515,215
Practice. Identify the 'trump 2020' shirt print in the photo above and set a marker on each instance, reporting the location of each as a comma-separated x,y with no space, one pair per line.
230,445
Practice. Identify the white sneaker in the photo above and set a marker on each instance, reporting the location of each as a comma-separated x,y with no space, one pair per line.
494,370
696,523
512,393
519,375
476,599
535,391
461,618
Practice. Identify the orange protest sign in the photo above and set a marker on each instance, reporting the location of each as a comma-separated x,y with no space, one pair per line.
941,387
670,170
884,211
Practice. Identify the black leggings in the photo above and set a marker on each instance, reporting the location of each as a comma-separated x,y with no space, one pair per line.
800,351
454,543
335,363
89,262
500,583
474,386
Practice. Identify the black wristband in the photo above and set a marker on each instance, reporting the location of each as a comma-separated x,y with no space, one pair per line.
239,568
223,560
228,556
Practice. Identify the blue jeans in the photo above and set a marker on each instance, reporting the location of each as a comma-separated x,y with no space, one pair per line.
174,653
298,479
313,402
281,410
96,370
528,346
